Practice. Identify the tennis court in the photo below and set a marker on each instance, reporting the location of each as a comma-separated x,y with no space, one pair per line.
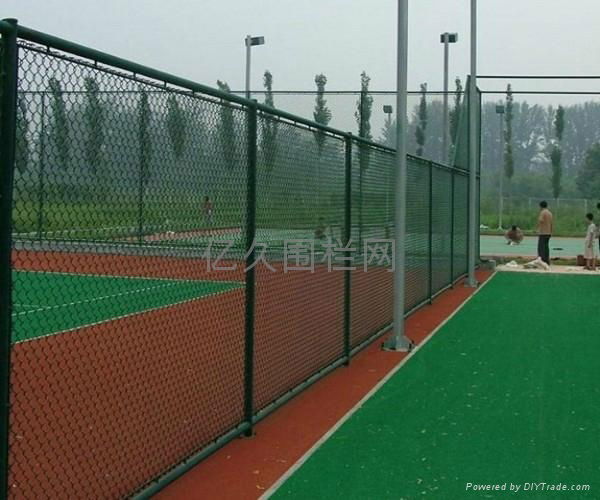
559,247
54,302
516,402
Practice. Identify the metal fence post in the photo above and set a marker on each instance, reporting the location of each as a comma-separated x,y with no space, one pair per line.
361,153
144,117
250,268
430,271
468,227
8,117
140,217
40,221
452,228
473,114
347,242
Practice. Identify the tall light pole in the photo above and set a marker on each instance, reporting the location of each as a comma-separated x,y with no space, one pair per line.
473,148
399,341
500,113
446,39
388,110
251,41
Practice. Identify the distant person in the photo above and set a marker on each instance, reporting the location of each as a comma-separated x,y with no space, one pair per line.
598,227
589,249
514,236
321,229
207,210
544,230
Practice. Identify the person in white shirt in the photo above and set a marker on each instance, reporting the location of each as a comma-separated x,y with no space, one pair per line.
590,248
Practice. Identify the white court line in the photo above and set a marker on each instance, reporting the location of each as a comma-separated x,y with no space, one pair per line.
94,299
267,494
147,278
105,297
113,318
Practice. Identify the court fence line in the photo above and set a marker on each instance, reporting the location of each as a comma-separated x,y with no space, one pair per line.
91,142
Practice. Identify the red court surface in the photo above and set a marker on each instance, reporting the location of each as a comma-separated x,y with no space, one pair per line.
247,467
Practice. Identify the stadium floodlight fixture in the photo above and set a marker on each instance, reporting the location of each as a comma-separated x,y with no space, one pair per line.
251,41
449,37
255,40
388,109
446,38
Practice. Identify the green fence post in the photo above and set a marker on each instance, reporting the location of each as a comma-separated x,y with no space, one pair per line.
452,228
347,242
468,222
8,119
250,268
140,217
361,153
430,280
144,140
40,222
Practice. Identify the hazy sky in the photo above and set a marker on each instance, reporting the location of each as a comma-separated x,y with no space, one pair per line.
203,39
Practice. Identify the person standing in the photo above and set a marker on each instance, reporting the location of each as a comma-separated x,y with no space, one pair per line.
598,226
589,251
544,229
207,210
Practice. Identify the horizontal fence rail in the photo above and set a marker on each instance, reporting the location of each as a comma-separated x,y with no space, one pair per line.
181,262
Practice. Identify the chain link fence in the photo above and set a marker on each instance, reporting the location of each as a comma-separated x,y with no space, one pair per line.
522,211
180,262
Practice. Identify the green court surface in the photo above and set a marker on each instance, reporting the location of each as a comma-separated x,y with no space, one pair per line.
46,303
508,391
559,247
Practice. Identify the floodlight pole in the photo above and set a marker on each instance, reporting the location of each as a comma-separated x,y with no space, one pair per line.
248,64
446,38
500,113
250,42
399,341
388,110
445,117
473,143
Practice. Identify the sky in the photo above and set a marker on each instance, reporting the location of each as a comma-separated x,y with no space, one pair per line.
203,39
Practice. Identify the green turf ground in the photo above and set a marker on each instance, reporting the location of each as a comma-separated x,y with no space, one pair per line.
508,391
46,303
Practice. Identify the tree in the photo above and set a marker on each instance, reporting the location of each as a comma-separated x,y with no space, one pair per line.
227,129
363,114
588,178
94,120
268,84
270,126
455,114
556,152
60,126
144,115
364,108
509,164
321,114
21,139
422,126
176,125
388,133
